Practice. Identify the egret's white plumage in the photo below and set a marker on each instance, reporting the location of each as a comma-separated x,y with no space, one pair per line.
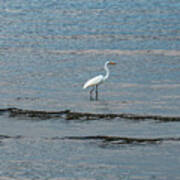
94,81
97,80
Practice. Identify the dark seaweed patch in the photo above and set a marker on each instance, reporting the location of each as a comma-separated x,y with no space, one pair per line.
14,112
106,140
122,140
9,137
4,137
68,115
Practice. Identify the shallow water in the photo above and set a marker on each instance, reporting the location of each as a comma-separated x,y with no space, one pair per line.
48,49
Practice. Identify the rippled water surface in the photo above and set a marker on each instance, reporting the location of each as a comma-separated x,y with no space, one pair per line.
48,49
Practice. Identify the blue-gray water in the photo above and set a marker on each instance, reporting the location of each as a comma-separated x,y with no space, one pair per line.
48,49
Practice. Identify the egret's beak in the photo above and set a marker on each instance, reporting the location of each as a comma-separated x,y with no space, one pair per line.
112,63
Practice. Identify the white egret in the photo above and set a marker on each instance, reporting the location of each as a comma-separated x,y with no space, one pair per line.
97,80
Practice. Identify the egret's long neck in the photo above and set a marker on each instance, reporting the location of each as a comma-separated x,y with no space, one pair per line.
107,71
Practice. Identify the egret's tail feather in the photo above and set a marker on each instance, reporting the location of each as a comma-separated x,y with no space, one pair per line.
85,86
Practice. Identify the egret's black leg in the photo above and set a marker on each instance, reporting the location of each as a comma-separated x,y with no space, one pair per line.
96,92
91,91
